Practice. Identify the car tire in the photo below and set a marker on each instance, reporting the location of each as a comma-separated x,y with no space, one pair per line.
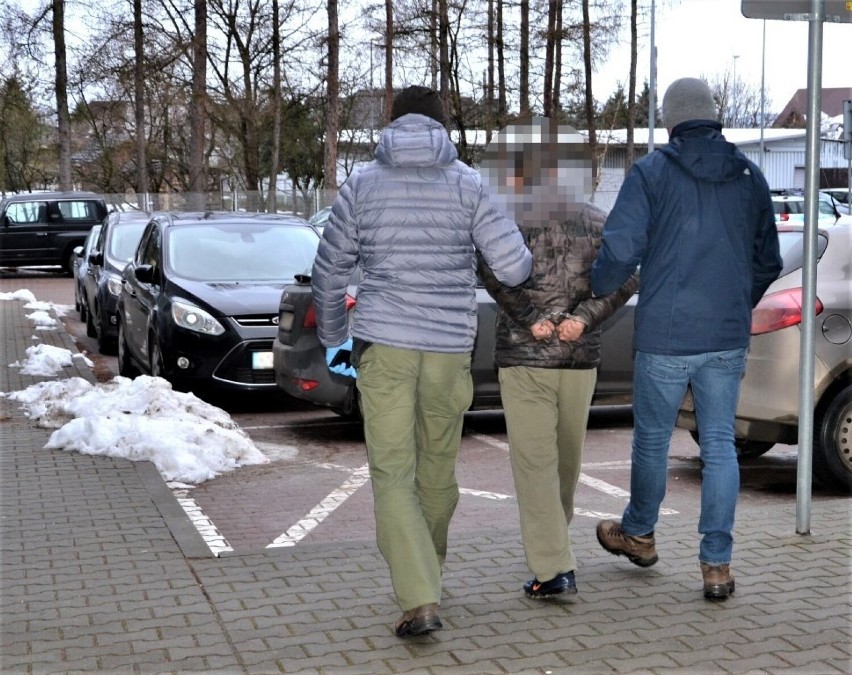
125,364
832,451
105,345
91,330
68,267
83,310
745,449
156,357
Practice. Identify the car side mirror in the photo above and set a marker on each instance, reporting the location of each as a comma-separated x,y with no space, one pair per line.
78,251
145,274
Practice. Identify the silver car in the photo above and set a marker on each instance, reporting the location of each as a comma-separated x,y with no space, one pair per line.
768,407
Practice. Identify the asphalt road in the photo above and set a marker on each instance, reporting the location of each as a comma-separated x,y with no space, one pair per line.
316,488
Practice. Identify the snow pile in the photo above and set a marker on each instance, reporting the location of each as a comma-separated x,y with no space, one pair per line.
47,361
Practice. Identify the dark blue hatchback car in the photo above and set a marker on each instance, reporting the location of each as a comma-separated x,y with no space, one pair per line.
199,300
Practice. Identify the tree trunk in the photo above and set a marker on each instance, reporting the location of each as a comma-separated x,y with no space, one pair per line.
524,59
61,79
433,44
502,106
332,120
489,77
444,50
139,106
549,55
388,61
272,196
198,108
557,77
590,101
631,87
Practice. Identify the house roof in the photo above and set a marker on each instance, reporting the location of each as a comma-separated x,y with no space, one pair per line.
831,104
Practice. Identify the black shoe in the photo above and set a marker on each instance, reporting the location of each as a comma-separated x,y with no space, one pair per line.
418,621
561,583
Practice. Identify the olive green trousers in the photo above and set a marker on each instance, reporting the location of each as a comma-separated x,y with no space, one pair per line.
546,412
413,405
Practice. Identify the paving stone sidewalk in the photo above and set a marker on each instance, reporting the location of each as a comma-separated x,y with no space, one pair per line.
102,573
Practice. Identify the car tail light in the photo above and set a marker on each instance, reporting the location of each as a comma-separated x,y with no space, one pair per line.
785,217
779,310
305,385
311,315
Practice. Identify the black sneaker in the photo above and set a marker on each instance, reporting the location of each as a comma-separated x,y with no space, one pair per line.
561,583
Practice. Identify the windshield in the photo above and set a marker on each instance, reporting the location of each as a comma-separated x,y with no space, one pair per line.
241,251
124,240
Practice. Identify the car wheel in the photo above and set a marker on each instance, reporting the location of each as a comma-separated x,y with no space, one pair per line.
125,365
83,309
91,330
156,357
70,257
105,345
833,443
745,449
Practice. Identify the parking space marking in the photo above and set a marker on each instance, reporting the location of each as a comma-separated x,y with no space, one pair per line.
594,483
486,495
212,537
324,509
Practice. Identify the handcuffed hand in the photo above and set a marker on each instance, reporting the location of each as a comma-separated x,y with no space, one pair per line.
543,330
570,330
338,359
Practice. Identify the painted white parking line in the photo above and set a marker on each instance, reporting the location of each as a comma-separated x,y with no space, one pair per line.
594,483
214,540
324,509
486,495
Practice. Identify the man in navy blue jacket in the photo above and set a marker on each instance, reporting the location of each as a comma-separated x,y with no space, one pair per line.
697,218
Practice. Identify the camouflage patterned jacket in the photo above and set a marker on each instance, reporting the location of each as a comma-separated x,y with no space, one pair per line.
559,286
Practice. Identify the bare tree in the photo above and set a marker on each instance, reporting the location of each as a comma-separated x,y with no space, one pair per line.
198,104
272,206
388,61
139,102
61,81
332,114
524,58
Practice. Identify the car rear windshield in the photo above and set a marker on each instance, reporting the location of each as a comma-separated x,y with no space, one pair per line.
124,240
241,252
791,245
797,206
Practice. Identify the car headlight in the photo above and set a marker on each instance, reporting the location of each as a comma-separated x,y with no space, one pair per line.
114,285
189,316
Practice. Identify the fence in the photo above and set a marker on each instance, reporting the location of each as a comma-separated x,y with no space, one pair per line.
303,203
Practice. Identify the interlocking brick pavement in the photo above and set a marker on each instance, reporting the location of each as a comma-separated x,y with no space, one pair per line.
102,572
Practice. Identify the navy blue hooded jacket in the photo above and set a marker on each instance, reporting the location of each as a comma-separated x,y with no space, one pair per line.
697,218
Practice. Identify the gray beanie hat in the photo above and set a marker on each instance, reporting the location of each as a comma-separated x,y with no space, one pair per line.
419,100
688,99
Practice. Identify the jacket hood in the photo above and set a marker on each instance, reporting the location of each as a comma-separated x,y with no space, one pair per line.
701,150
415,141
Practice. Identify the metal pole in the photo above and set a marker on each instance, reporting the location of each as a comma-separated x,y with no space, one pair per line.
652,97
762,95
806,346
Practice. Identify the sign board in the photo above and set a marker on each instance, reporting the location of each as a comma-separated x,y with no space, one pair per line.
796,10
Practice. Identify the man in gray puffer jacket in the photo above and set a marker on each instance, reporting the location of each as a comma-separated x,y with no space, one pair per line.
548,342
412,220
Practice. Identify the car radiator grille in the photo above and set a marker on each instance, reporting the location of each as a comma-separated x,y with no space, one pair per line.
236,367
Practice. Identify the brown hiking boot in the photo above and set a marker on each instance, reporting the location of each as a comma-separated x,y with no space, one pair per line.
639,550
718,581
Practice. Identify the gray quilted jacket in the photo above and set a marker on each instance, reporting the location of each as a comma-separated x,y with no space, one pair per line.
412,220
559,286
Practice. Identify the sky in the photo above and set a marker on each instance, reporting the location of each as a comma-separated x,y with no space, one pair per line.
702,37
187,439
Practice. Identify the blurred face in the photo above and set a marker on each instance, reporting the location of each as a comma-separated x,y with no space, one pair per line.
538,168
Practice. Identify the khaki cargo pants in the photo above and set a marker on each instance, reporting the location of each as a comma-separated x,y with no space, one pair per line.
413,404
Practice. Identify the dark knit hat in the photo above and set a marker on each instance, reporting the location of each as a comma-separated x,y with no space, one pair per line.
688,99
419,100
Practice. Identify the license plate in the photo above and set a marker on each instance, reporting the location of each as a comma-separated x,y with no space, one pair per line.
261,360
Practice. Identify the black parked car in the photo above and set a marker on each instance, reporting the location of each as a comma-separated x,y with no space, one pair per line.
114,248
44,228
199,300
80,269
302,372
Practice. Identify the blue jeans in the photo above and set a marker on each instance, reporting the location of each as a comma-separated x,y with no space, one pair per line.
659,385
